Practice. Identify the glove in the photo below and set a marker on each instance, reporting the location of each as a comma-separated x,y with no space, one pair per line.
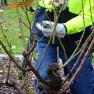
47,28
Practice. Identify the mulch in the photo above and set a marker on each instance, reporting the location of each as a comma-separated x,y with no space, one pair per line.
14,75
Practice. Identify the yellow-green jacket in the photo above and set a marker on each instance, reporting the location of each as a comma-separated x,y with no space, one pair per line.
83,8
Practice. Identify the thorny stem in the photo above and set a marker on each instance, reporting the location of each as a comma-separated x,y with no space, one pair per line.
44,53
11,56
26,86
24,69
20,27
24,24
81,65
74,64
54,31
9,67
88,39
28,18
36,73
71,57
83,62
63,48
82,50
4,35
29,51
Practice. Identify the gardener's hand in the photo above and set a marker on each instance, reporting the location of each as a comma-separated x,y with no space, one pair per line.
47,28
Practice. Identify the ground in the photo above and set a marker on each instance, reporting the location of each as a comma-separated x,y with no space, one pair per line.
14,75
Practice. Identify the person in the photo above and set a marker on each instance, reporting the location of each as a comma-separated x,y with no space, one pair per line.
77,17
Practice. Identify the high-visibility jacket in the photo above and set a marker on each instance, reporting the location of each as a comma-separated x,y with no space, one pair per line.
83,8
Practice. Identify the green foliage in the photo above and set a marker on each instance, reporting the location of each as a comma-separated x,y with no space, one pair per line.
10,24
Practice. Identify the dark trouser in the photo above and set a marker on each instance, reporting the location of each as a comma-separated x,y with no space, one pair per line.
84,84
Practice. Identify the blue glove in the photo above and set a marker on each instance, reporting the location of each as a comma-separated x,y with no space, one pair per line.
47,28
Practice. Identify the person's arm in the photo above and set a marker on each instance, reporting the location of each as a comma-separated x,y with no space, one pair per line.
76,24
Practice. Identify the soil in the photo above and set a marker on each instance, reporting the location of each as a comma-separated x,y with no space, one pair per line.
14,75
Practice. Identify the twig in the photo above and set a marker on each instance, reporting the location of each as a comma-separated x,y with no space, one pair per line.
8,74
11,56
29,51
88,40
24,69
83,61
81,65
71,70
20,27
44,53
36,72
27,88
